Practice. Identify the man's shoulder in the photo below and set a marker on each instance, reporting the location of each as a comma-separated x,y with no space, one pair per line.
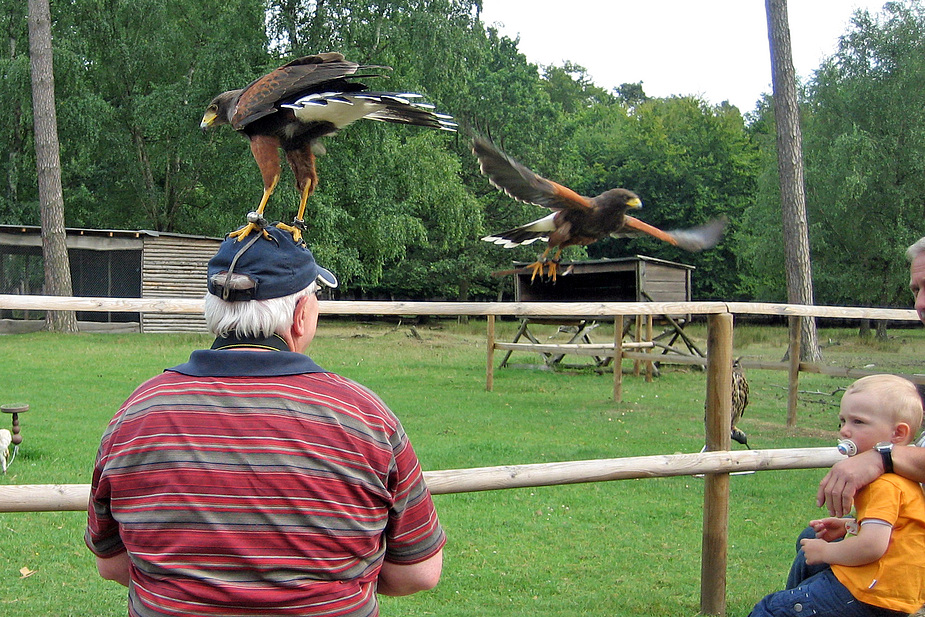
347,389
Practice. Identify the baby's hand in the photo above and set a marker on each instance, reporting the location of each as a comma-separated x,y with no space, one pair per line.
814,550
830,529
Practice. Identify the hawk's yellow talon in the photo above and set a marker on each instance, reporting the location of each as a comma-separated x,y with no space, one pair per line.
295,231
245,231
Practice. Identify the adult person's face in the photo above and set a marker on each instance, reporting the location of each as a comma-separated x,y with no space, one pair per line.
917,284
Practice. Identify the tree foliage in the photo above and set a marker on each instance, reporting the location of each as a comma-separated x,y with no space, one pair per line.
19,193
759,234
863,142
137,75
866,124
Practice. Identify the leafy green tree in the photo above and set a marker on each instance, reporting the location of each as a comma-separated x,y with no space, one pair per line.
631,94
570,87
18,196
759,235
866,173
139,75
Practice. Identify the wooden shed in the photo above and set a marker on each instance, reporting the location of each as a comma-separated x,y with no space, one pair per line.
626,279
118,264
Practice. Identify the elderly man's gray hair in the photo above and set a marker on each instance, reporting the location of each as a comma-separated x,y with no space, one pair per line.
253,318
915,250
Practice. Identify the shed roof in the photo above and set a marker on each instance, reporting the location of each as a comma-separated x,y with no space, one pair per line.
592,264
93,239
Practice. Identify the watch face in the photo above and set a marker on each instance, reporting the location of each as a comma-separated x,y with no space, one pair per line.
884,446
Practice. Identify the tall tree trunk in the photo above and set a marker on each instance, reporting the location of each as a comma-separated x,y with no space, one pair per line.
790,169
48,164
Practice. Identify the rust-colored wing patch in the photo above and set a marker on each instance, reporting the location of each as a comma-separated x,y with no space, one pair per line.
637,225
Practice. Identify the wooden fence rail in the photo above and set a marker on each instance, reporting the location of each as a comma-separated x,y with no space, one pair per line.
516,309
74,497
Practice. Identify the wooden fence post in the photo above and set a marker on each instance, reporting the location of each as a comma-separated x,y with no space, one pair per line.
618,358
793,382
490,369
638,339
716,486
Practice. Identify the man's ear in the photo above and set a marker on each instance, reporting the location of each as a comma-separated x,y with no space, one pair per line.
902,433
298,317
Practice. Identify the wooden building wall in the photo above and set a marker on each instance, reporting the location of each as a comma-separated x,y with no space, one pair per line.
174,267
663,282
114,263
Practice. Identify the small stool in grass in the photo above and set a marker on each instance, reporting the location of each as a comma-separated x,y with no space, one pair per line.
13,438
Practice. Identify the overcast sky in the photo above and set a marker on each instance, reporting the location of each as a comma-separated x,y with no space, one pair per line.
717,49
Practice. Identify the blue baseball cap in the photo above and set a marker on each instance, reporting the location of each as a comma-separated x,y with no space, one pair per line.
260,268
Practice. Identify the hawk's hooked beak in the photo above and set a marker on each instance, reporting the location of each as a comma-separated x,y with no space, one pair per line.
635,202
208,119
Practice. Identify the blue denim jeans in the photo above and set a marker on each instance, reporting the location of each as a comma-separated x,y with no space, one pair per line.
818,596
813,591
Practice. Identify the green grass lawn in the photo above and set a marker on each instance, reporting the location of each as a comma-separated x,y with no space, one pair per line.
617,548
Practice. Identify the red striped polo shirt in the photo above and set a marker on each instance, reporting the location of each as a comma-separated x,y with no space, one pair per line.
275,494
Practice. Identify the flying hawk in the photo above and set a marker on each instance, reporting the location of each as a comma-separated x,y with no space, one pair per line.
294,106
575,220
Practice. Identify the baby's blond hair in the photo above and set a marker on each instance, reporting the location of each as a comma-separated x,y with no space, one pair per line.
898,398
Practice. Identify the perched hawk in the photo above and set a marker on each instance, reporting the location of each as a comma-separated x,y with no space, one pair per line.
576,220
739,402
294,106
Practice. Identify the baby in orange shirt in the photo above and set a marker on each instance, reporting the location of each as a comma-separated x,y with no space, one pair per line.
878,559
